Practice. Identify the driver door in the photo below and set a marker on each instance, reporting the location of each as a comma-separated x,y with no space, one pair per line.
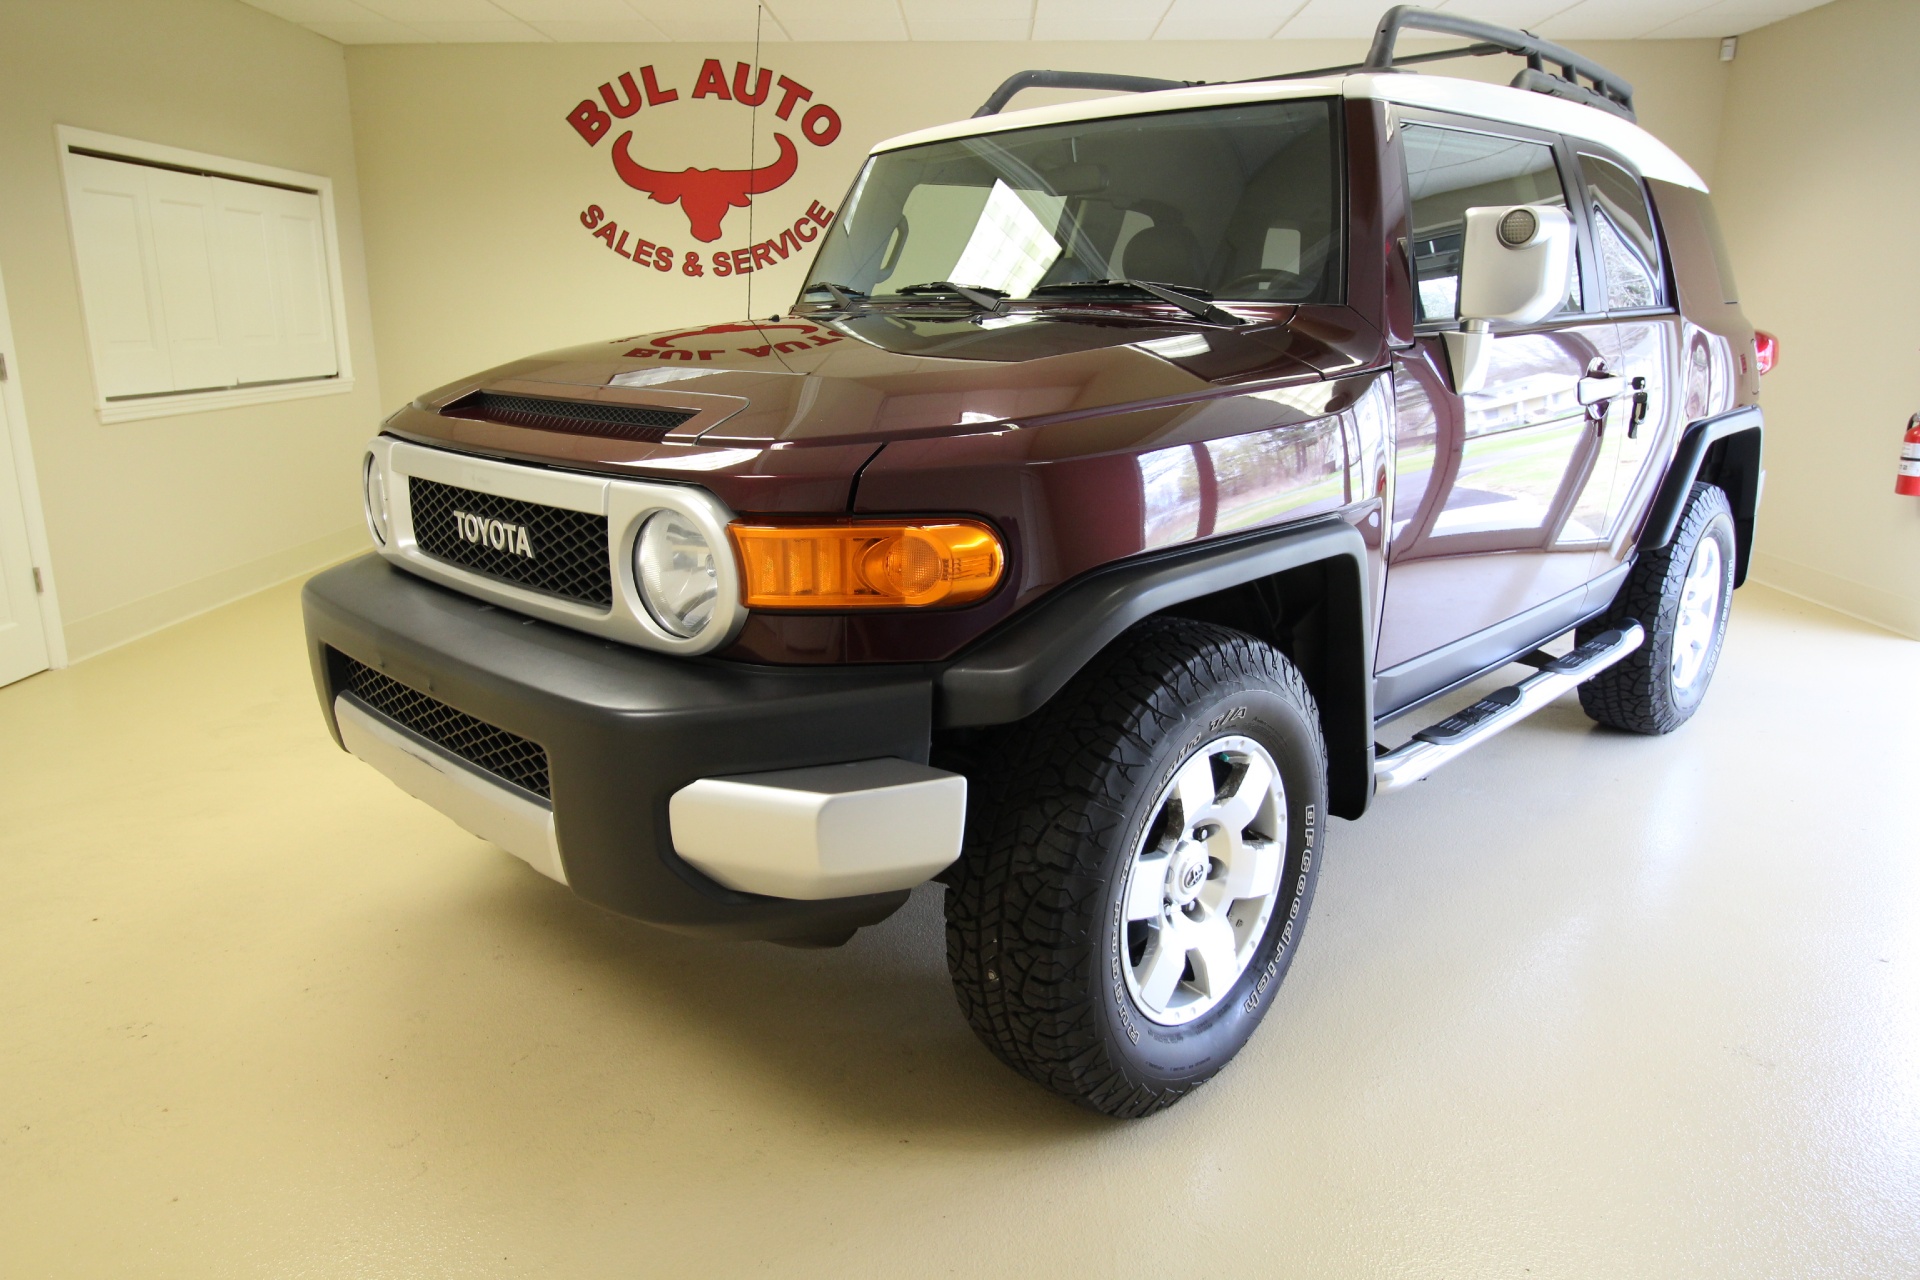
1481,547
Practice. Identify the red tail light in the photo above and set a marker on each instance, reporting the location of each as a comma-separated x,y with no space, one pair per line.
1766,350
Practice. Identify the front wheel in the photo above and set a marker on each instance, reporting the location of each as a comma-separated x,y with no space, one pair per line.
1139,866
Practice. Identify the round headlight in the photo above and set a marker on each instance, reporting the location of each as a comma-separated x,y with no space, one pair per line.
677,573
374,482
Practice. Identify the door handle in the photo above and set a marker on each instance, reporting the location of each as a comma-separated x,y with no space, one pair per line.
1597,388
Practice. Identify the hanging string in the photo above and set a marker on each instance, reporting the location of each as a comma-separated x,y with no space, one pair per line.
753,138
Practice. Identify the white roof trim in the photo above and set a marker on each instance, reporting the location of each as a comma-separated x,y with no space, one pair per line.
1492,102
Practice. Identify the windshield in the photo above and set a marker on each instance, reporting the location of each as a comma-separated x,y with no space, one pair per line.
1240,202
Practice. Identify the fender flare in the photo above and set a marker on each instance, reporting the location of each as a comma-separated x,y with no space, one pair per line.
1013,671
1737,469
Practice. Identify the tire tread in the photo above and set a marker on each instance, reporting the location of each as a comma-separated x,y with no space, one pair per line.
1023,907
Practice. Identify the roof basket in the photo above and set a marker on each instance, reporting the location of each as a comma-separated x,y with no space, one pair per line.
1608,91
1604,89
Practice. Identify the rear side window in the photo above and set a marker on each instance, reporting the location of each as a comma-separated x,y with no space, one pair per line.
1450,171
1624,234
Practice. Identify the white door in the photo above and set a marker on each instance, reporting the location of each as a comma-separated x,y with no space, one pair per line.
23,641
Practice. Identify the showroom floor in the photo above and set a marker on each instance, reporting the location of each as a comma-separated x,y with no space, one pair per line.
1582,1005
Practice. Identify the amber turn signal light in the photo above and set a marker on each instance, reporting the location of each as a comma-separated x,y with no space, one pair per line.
857,566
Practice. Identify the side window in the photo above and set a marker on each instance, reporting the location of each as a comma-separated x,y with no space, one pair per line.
1623,233
1450,171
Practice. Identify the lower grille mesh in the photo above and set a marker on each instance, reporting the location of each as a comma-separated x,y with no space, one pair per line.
506,756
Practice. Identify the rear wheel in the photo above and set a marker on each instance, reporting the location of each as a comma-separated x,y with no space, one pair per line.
1140,861
1681,594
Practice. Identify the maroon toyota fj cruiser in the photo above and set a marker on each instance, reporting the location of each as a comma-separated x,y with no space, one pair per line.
1122,469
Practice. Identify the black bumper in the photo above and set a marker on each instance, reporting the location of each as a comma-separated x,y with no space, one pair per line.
623,730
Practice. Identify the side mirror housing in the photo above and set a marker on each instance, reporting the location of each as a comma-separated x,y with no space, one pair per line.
1516,262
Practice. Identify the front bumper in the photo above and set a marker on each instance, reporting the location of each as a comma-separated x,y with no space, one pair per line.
640,746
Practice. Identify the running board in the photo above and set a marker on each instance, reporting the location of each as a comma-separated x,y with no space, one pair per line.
1464,730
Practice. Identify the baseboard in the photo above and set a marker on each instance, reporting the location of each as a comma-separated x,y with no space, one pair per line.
1855,599
111,628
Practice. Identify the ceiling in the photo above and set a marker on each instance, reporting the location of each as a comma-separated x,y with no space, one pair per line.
594,21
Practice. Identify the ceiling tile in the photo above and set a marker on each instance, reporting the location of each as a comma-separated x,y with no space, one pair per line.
569,10
1009,30
840,19
1098,19
1333,20
629,31
707,20
1731,18
980,20
378,31
507,32
1615,19
1225,19
412,11
410,21
1525,14
307,11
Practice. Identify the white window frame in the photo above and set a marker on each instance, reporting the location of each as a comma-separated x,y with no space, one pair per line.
165,405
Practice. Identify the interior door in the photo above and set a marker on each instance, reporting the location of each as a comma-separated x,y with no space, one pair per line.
1486,483
23,640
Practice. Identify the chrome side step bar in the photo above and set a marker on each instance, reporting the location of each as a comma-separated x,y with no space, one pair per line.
1464,730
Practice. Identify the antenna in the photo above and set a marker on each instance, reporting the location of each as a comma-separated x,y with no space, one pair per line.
753,137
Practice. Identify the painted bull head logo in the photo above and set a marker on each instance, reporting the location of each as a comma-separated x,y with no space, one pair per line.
705,195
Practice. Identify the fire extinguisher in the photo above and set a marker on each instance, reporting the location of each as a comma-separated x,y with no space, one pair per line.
1909,479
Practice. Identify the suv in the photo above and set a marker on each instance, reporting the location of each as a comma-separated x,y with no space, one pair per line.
1123,467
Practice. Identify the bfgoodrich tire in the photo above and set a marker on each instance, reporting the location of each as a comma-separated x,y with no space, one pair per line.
1140,859
1681,594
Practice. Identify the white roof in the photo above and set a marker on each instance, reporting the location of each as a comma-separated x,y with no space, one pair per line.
1654,158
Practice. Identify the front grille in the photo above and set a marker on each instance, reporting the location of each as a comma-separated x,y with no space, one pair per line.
568,548
580,417
506,756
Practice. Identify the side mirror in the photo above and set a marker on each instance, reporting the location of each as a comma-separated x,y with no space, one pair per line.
1516,262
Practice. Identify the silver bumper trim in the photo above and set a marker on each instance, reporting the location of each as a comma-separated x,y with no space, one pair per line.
832,831
491,810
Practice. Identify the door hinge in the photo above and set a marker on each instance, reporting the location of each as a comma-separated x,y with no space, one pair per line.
39,587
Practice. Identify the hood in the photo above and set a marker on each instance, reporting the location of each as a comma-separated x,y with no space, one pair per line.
835,389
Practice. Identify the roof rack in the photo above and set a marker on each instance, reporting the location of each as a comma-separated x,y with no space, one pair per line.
1608,91
997,101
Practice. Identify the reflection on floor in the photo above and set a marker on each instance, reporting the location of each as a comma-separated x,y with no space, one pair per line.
1583,1004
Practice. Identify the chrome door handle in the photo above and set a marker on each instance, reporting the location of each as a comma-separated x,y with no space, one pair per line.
1598,387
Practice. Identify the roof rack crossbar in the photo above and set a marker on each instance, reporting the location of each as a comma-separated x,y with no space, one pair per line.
1019,80
1607,90
1348,68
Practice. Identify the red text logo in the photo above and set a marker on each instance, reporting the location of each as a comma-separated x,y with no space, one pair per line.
704,195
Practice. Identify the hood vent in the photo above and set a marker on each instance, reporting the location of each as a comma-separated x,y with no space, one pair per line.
577,417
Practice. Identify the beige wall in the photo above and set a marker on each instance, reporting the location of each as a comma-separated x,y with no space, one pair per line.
151,521
473,181
1819,191
458,163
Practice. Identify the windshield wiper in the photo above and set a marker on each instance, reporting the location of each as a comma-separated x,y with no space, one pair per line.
979,295
1179,297
843,294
